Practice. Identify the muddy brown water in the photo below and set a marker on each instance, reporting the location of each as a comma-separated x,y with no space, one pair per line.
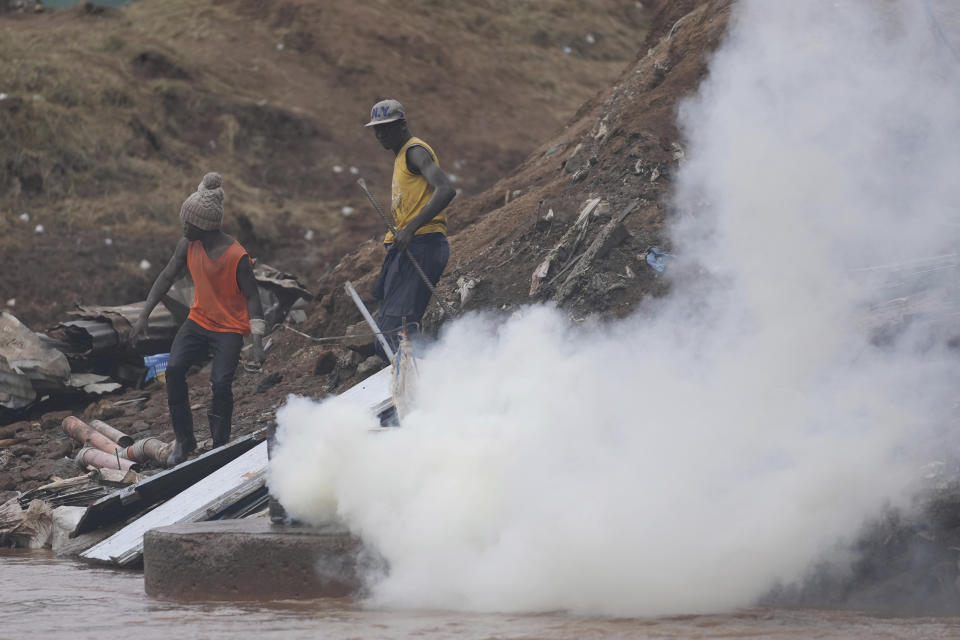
46,597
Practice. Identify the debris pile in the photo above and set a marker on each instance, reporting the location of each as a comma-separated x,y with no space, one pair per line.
89,354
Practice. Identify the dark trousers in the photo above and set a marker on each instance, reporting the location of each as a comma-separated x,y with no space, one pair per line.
192,345
400,289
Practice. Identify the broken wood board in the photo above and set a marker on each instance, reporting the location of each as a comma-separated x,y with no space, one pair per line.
202,501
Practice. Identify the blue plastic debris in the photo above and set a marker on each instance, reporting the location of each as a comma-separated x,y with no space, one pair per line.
656,258
156,364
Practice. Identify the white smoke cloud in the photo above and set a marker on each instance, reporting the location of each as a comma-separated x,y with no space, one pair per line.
685,460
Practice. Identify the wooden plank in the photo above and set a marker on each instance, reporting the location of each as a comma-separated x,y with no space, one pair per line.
202,501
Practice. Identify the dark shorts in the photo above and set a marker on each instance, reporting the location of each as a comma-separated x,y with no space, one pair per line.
400,289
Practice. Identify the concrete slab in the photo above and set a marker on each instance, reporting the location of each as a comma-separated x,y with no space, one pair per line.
251,559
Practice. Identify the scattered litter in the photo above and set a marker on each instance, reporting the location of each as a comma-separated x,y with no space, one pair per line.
31,528
465,287
38,228
121,403
354,171
552,150
601,131
628,272
156,366
567,50
337,168
25,217
4,96
678,153
656,258
108,241
452,177
261,102
279,46
347,210
549,215
12,302
590,38
308,235
144,264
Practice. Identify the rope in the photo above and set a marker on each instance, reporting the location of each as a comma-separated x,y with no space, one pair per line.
349,337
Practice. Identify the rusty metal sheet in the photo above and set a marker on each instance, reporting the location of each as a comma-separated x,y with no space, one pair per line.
285,285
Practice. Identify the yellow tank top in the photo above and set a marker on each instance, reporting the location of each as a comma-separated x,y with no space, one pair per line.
410,194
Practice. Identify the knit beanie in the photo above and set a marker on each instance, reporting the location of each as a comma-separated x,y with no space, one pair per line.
204,208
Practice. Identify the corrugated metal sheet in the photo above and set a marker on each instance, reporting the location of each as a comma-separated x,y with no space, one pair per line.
16,392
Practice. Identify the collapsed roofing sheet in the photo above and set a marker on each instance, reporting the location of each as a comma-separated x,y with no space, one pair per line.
16,392
26,352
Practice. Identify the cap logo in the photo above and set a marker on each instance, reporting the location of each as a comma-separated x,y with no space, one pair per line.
380,111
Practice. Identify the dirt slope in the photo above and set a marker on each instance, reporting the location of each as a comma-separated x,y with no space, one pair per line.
622,147
494,243
110,117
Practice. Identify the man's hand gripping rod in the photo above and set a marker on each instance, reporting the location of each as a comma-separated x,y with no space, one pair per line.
376,205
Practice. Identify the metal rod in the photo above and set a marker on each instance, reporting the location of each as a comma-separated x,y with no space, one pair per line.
423,276
370,321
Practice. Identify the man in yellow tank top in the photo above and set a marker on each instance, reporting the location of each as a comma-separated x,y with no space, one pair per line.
420,193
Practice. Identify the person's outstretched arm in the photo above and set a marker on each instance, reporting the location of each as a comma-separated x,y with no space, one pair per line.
160,287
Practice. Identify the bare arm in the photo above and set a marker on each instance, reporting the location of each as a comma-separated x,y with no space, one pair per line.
443,193
248,286
169,275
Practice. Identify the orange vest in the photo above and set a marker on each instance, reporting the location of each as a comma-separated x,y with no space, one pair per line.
218,303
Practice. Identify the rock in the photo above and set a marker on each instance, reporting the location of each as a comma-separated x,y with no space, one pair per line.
326,363
370,366
53,420
616,237
57,449
45,469
14,430
102,410
9,480
269,381
24,450
361,339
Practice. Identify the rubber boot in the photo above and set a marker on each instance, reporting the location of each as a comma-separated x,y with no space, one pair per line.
182,420
219,429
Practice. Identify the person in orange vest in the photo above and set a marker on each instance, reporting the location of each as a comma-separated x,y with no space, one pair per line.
420,193
226,308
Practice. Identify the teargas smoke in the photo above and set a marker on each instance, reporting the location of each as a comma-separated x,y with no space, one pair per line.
722,439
